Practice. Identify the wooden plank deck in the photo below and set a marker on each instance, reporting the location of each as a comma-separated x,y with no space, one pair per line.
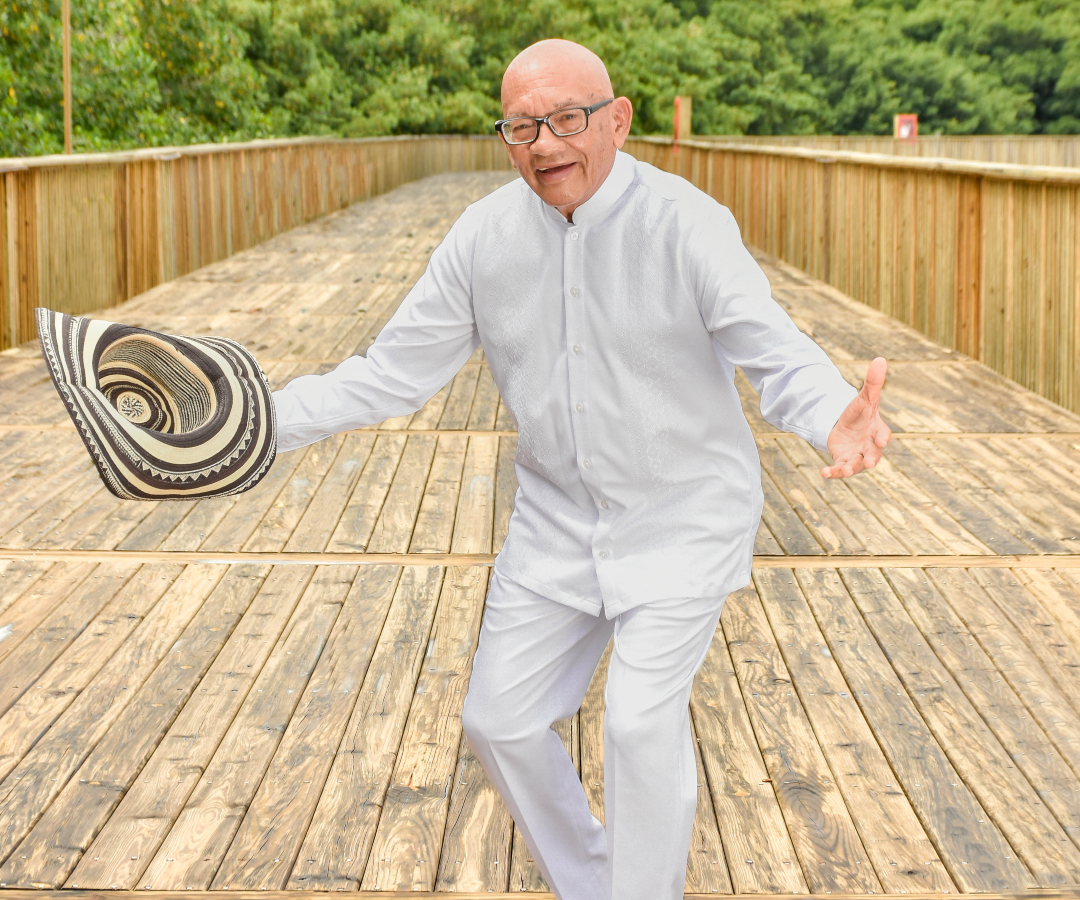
263,693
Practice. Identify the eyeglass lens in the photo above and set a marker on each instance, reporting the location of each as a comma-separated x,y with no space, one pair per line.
564,123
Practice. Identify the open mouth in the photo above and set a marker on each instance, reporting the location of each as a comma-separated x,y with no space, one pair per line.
550,174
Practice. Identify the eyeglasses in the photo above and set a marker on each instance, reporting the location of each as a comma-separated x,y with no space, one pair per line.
562,122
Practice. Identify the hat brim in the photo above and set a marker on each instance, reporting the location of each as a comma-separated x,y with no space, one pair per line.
164,417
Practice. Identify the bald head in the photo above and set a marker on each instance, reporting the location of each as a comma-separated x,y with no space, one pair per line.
555,75
556,61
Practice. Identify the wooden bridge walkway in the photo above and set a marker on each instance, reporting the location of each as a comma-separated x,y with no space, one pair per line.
263,693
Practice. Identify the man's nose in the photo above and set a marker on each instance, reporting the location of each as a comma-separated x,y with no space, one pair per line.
546,141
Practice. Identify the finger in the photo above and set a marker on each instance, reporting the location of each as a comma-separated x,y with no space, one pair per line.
844,468
875,379
872,455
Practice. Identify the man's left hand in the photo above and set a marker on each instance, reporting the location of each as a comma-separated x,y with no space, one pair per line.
859,436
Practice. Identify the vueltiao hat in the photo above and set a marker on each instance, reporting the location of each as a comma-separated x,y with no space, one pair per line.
164,417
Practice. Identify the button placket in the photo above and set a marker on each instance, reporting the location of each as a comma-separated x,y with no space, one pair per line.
573,298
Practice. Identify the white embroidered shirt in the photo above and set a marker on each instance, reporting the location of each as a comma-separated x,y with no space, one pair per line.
613,340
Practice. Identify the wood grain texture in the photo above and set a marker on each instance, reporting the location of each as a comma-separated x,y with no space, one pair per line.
1013,693
265,846
475,854
760,855
706,868
825,839
196,842
406,848
338,842
968,842
127,843
986,767
50,847
902,855
35,711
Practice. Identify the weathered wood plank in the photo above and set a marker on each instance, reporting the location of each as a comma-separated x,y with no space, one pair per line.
201,834
357,521
265,846
394,527
435,521
760,855
406,848
987,769
475,854
29,658
825,839
50,847
1004,681
970,845
126,845
902,855
35,711
337,846
706,869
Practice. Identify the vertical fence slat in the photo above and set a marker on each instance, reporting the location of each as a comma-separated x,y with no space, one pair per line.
982,258
85,233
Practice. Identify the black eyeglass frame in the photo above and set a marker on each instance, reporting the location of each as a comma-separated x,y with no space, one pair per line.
588,110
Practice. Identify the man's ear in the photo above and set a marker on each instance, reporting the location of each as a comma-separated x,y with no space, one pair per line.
623,112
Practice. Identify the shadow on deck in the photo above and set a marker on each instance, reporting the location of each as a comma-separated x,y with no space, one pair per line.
263,693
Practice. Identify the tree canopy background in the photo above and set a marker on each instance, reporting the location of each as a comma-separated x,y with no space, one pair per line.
160,72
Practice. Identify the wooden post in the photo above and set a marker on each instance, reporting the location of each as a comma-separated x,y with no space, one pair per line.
66,15
684,107
10,337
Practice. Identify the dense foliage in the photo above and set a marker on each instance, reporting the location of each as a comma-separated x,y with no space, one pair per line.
179,71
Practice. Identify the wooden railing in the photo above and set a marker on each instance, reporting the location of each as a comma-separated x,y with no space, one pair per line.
1020,149
983,257
80,233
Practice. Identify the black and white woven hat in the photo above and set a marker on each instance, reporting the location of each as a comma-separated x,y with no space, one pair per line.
164,417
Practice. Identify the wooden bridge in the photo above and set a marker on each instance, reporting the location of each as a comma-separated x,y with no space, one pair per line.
263,693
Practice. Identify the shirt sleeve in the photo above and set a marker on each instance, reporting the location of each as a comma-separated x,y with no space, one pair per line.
801,390
425,343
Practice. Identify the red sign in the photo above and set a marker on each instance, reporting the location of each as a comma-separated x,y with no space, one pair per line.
906,127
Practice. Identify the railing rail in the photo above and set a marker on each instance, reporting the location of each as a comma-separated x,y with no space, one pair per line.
983,257
84,232
1021,149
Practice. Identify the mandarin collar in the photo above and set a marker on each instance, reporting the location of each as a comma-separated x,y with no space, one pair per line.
599,204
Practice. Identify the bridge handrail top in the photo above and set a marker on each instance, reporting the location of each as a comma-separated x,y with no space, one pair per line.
165,154
1003,171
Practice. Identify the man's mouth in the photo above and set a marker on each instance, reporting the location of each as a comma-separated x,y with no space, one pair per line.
552,174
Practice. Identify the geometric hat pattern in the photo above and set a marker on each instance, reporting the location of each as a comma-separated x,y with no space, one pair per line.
165,417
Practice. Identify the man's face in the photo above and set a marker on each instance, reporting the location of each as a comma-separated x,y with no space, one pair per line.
564,171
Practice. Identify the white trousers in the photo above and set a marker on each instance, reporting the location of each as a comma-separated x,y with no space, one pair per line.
533,666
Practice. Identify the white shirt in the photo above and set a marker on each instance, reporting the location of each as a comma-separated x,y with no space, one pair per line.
613,340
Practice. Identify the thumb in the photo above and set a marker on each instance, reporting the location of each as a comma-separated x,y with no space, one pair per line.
875,379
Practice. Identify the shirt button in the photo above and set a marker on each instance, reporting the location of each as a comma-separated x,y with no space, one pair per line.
579,408
577,349
573,235
603,554
587,463
573,292
603,504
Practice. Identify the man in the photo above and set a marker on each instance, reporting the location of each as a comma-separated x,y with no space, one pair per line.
613,302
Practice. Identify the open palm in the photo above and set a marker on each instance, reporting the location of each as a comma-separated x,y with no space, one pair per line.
859,436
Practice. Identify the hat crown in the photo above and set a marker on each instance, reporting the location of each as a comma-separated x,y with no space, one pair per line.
151,383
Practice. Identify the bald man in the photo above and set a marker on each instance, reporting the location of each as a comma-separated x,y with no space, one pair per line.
613,302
